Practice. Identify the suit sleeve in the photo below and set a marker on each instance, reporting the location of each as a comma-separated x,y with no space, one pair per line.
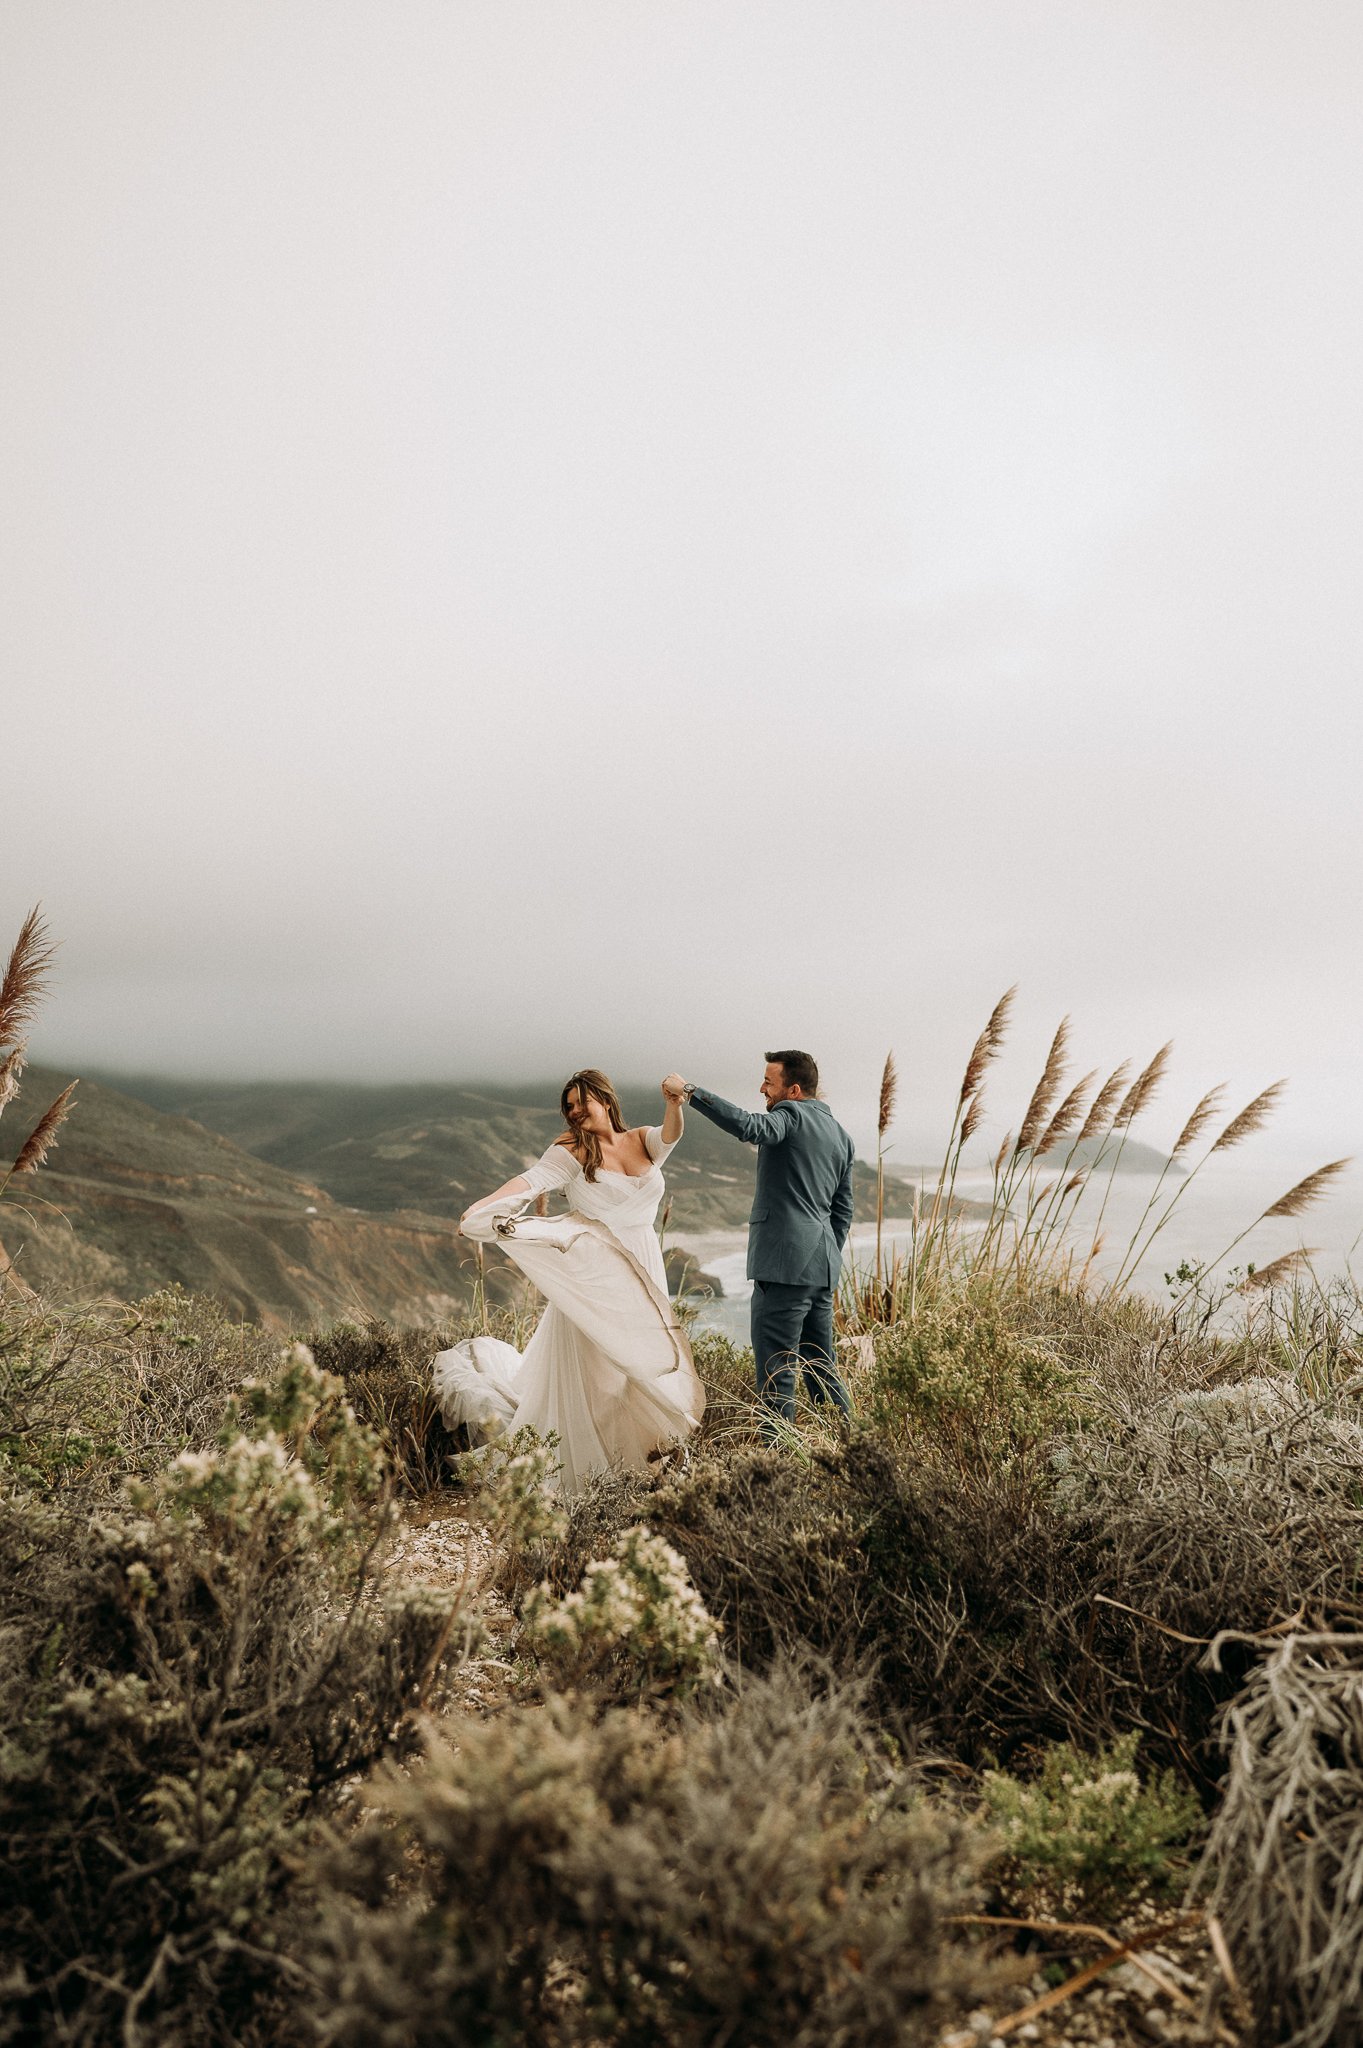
773,1127
840,1214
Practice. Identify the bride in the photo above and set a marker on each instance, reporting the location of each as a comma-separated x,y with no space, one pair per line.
609,1368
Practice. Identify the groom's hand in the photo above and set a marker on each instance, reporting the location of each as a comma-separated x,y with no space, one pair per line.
674,1087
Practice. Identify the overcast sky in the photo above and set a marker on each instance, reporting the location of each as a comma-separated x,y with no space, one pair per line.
633,533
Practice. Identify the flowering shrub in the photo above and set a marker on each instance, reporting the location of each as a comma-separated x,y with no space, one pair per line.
1087,1832
516,1489
193,1676
290,1457
638,1603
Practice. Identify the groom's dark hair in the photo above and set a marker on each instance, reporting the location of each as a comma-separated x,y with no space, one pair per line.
799,1070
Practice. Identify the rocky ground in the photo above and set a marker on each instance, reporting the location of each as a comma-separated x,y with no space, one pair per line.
1168,1987
439,1546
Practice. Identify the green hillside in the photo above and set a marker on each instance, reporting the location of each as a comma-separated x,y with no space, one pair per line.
134,1198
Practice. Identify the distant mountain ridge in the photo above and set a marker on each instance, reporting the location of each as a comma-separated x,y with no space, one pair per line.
437,1147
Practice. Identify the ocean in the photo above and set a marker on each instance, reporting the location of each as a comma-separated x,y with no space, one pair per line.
1210,1214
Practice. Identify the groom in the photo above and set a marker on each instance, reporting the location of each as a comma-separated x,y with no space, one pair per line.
801,1214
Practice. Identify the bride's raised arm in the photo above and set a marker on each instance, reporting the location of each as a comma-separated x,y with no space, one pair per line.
674,1123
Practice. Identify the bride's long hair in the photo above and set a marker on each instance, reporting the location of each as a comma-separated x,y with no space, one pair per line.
586,1144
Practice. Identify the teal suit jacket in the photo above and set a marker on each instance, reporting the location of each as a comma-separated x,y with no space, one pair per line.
802,1209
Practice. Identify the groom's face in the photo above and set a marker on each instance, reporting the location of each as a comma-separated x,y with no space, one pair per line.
774,1083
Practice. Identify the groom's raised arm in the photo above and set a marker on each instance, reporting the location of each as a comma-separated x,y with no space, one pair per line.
772,1127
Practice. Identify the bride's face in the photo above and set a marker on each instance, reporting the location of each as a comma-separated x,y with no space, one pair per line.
586,1113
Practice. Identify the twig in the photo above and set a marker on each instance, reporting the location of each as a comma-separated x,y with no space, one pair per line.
1166,1984
132,2033
1102,1599
1091,1972
1221,1951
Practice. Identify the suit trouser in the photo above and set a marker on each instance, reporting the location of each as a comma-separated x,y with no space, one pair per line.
792,1330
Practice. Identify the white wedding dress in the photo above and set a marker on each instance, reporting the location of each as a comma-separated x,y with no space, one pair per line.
609,1369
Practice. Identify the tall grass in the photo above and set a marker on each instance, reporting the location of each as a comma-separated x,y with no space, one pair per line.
1031,1234
22,988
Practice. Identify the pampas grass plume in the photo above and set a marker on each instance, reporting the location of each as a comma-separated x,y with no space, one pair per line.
1277,1270
1307,1191
1141,1092
43,1136
889,1084
1200,1118
1047,1088
1252,1118
1066,1117
987,1044
999,1016
21,988
1100,1113
10,1070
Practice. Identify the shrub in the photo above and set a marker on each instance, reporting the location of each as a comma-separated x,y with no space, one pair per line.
590,1523
979,1597
88,1396
187,1690
515,1482
45,1435
636,1608
965,1595
774,1549
763,1875
387,1377
727,1373
1232,1510
1009,1603
1284,1859
961,1375
1085,1835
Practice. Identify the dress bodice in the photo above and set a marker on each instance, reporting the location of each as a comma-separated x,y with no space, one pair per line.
619,1200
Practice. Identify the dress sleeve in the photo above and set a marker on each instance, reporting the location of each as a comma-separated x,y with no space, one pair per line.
654,1146
554,1170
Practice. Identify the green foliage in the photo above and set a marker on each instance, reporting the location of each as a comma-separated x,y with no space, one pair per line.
44,1435
964,1377
515,1482
191,1678
763,1875
1085,1835
636,1609
727,1374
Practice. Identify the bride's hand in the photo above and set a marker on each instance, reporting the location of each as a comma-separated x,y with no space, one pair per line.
674,1087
